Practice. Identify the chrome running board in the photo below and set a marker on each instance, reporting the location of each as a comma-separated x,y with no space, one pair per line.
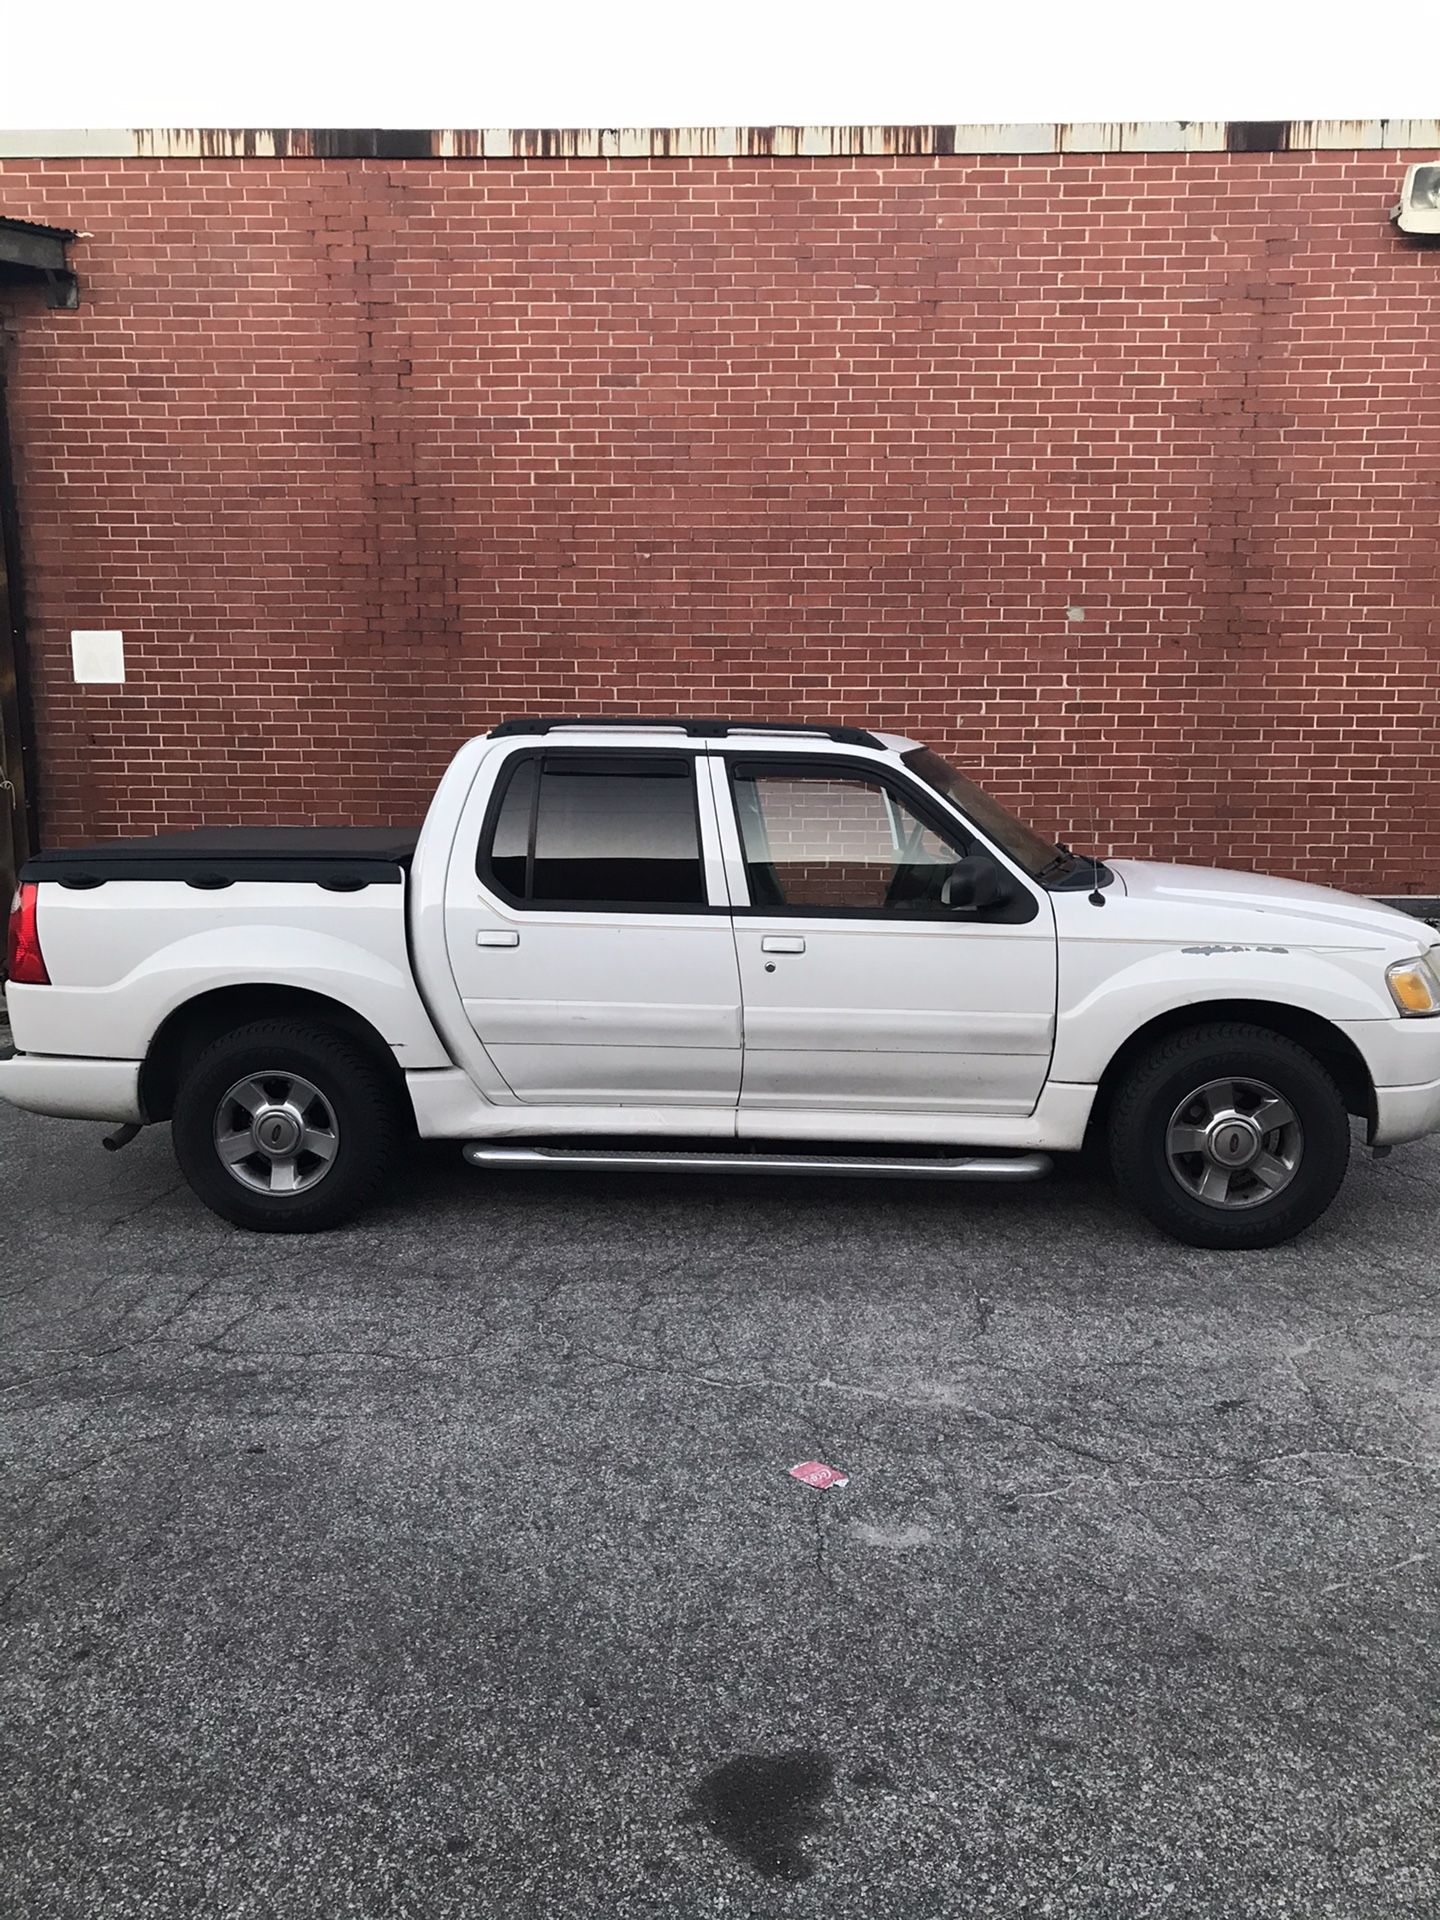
1019,1166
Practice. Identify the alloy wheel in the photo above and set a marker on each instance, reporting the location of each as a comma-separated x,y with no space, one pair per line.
276,1133
1234,1143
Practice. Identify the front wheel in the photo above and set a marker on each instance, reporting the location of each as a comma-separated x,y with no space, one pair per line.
1231,1136
285,1127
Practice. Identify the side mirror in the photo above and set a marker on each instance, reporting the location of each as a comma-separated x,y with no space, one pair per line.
973,884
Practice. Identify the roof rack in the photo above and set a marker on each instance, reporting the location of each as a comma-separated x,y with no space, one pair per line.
696,729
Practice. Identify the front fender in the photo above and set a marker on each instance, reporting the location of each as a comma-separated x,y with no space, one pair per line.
1102,1006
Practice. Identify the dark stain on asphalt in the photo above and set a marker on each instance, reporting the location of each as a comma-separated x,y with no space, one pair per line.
878,1778
1058,1742
763,1806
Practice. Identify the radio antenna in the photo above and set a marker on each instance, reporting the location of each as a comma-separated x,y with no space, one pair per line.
1076,617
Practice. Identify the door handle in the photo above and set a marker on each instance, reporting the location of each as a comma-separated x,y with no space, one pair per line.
487,939
782,943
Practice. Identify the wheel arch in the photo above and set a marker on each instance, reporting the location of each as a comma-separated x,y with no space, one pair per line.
1335,1050
192,1026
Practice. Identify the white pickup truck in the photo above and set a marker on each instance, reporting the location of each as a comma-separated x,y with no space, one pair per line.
695,944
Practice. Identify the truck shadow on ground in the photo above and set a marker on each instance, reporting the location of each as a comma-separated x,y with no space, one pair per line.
1078,1195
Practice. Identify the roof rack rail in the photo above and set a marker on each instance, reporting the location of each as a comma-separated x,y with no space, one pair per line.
696,729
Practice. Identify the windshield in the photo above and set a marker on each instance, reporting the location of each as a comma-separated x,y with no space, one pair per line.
1028,849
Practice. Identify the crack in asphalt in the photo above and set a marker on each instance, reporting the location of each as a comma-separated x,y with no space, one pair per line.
142,1207
1368,1575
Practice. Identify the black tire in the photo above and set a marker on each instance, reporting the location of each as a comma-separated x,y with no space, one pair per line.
1156,1086
363,1111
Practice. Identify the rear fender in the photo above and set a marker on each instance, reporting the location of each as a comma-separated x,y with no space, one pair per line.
119,1019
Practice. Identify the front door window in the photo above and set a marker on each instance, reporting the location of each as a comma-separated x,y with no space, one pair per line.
838,843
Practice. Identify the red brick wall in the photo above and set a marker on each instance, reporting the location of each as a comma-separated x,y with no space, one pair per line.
362,455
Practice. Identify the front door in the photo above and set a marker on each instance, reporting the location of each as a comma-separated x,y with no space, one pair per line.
862,989
589,932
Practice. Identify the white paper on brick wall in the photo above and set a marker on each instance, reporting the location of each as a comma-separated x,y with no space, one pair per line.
98,655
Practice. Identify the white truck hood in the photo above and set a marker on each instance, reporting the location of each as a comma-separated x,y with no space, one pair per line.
1237,905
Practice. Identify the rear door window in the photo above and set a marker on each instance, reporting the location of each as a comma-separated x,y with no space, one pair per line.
596,830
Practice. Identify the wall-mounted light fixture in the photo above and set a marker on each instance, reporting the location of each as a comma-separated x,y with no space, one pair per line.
1419,208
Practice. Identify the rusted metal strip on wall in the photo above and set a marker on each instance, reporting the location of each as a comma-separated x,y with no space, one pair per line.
670,143
18,816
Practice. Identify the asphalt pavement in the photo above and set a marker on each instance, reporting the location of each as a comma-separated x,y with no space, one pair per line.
451,1565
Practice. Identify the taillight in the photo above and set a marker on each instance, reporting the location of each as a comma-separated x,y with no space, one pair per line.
24,961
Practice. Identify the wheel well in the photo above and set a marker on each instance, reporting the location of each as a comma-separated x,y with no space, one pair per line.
190,1029
1335,1050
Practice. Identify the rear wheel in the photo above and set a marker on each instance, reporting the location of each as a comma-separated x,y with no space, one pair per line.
285,1127
1230,1136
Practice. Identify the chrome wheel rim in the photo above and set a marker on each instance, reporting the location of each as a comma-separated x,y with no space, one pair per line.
276,1133
1234,1143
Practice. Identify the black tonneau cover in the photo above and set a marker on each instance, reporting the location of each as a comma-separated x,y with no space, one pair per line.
341,858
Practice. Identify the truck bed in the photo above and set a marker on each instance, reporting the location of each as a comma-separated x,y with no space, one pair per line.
343,858
133,929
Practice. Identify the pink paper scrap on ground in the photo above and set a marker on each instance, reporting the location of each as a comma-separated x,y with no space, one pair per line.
816,1474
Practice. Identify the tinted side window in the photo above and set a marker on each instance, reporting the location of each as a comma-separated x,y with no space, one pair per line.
586,829
828,840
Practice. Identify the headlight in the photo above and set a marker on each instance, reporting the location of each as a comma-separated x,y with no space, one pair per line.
1415,985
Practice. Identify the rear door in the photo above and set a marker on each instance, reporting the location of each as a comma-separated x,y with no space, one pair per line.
589,931
861,988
